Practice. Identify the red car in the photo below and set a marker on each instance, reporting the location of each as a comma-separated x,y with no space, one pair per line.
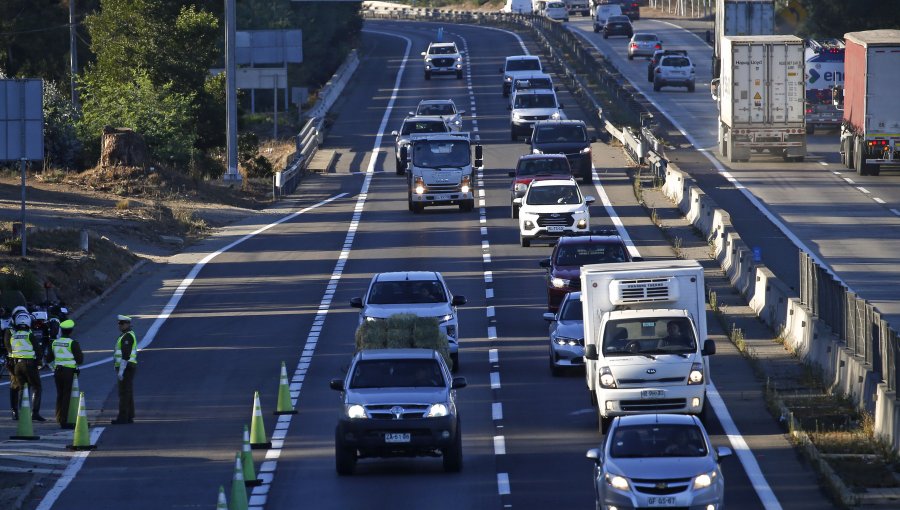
570,253
535,166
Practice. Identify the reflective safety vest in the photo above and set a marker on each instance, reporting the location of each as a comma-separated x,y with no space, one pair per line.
117,354
22,347
62,352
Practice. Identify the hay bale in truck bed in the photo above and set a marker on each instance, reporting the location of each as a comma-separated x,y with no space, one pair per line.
401,331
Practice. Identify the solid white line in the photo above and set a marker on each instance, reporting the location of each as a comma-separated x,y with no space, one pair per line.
503,484
617,222
495,380
499,445
496,411
69,474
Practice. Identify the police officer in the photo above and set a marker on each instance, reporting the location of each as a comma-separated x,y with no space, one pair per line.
65,355
125,362
25,360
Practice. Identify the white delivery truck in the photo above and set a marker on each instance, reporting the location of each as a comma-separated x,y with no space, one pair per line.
741,17
645,338
824,72
761,97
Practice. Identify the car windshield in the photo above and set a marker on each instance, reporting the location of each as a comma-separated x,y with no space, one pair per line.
407,291
436,109
559,133
657,440
556,5
553,195
572,311
627,337
528,64
440,153
535,101
534,83
442,50
394,373
645,37
548,166
423,127
676,62
581,254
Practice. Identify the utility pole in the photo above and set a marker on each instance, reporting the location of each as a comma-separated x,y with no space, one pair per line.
73,55
231,171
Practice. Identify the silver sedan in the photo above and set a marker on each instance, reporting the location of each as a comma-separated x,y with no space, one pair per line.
643,44
566,334
658,460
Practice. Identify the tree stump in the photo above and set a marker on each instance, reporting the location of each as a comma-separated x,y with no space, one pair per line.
122,147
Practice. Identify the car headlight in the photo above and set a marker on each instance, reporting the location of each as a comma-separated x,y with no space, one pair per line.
444,318
555,116
606,378
536,151
586,150
515,116
696,375
559,282
420,185
369,318
466,184
458,122
705,480
563,340
521,187
459,59
437,410
617,482
356,411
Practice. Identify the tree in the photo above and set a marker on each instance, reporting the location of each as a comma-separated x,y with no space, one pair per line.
834,18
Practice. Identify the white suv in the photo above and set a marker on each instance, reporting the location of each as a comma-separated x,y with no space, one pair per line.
423,293
674,70
443,58
531,105
552,208
517,66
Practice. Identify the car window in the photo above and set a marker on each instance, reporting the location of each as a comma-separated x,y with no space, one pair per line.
548,166
534,83
530,64
626,337
581,254
441,153
559,133
657,440
618,19
645,37
408,291
572,311
423,127
535,101
442,50
676,62
406,373
436,109
551,195
556,5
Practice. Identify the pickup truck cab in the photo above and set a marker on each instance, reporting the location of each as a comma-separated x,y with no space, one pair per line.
398,403
552,208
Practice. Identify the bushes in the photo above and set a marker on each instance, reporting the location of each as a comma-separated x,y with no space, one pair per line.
403,330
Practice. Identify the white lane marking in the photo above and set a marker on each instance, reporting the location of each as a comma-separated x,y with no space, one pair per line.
495,380
497,411
896,212
499,445
848,180
503,484
878,200
488,276
489,293
493,356
617,222
864,190
492,333
69,474
491,311
823,163
742,450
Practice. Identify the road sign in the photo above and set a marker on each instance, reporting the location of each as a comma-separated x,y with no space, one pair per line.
269,47
21,120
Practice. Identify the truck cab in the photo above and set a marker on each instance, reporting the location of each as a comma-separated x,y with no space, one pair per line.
440,170
645,338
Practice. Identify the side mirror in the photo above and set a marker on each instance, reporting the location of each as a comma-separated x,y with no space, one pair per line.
423,53
545,263
394,133
549,316
461,112
594,455
479,156
512,173
337,384
412,113
709,348
589,199
517,201
714,89
458,382
590,352
458,300
556,88
356,302
723,451
637,259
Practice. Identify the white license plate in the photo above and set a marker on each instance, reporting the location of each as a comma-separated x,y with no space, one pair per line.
661,500
441,197
396,437
555,229
653,393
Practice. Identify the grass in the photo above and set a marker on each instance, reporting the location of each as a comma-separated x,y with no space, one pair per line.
123,204
187,219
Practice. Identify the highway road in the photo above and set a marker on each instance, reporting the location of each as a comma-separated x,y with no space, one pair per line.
219,331
850,222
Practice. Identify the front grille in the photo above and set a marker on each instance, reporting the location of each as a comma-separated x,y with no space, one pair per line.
663,508
662,487
442,188
653,381
535,117
555,220
654,404
442,62
406,412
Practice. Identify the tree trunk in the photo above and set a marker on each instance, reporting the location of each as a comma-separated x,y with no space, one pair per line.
122,147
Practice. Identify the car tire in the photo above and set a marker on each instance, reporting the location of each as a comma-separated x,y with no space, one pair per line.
596,29
587,177
513,135
427,75
454,358
524,241
417,208
399,168
593,398
810,129
630,56
656,86
453,455
344,457
705,412
691,87
605,35
603,423
650,76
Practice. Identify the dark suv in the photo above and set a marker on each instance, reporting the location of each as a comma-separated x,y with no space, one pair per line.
569,137
570,253
534,167
657,56
618,25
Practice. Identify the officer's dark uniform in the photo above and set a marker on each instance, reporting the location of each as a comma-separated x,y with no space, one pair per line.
66,355
125,352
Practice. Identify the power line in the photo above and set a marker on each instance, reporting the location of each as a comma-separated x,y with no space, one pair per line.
35,30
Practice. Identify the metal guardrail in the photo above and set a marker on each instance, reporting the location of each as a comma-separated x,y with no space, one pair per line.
867,335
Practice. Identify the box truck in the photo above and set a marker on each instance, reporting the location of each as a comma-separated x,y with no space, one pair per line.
824,72
761,97
741,17
870,131
645,338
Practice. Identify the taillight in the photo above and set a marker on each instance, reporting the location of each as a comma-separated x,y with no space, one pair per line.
658,46
873,143
658,71
634,45
809,110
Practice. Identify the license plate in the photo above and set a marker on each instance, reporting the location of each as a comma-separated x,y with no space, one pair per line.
396,437
441,197
555,229
661,500
653,393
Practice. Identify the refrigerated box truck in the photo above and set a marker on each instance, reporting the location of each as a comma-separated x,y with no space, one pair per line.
761,97
870,131
741,17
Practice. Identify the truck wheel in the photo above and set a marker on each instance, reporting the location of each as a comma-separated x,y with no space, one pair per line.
723,147
846,153
417,207
650,75
705,413
453,457
344,457
593,398
454,358
859,157
400,168
513,136
810,129
656,86
587,177
524,241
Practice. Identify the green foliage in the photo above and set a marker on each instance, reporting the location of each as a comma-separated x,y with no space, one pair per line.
834,18
61,144
253,164
403,330
25,282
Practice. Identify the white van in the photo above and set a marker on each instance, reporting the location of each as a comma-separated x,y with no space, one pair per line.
603,12
517,7
556,10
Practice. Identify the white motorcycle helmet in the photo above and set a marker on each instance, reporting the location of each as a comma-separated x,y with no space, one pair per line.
23,320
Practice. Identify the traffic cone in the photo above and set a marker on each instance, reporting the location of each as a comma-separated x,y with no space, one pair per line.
81,439
73,406
222,504
284,394
257,427
250,479
238,490
25,429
